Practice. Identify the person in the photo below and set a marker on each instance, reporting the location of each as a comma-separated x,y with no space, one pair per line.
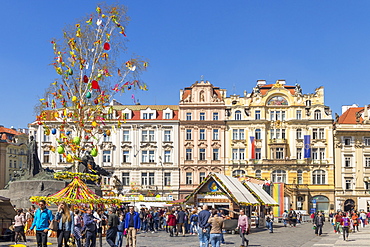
337,219
285,217
171,222
19,223
345,222
194,223
41,221
180,222
318,222
29,217
120,230
363,218
66,224
204,227
156,220
243,227
293,218
77,227
217,224
355,222
100,223
112,227
269,221
331,217
90,226
132,226
144,220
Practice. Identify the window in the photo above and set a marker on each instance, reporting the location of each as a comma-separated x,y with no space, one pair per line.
202,116
299,134
279,153
202,176
283,116
106,156
167,115
238,134
258,174
151,178
235,154
167,179
151,156
299,177
10,163
106,138
188,134
189,153
238,115
144,178
167,135
46,138
215,154
46,157
257,134
144,156
321,134
241,134
145,115
235,134
202,135
348,183
367,161
318,177
215,134
347,141
238,173
167,156
62,159
277,133
215,116
15,164
257,115
202,154
317,114
144,136
126,156
367,141
241,154
315,154
279,176
189,178
125,178
347,161
238,154
258,154
299,153
126,135
188,116
315,134
322,153
298,114
151,135
277,115
126,115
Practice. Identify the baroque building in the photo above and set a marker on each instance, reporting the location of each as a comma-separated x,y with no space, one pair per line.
279,134
352,159
141,152
201,134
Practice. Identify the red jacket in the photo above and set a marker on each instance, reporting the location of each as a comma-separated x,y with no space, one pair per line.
171,221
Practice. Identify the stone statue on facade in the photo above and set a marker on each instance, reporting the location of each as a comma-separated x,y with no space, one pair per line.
298,89
33,162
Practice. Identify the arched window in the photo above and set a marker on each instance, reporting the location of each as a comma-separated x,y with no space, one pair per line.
238,115
317,114
279,176
258,174
238,173
318,177
299,177
258,134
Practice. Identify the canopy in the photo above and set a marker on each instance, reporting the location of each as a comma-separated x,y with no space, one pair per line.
260,194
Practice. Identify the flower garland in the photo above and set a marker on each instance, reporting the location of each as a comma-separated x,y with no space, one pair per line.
72,175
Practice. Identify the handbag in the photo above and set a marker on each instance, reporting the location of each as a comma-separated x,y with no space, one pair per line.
54,225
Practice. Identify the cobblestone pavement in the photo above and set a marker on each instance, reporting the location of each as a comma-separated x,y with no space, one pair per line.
302,235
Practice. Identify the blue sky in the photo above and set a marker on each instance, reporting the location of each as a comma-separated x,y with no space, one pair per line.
232,43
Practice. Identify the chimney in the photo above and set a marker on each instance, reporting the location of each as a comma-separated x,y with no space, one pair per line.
261,82
282,82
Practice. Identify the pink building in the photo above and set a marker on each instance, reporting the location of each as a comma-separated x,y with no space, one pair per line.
202,134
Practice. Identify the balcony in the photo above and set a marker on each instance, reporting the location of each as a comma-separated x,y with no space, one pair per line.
277,141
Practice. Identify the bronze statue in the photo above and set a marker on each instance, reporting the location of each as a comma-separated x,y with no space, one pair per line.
33,162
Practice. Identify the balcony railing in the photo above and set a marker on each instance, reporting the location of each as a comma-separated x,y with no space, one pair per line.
278,141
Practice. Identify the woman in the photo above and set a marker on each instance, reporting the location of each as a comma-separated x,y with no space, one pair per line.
171,222
78,227
194,223
345,222
19,222
269,221
355,222
217,224
66,224
121,228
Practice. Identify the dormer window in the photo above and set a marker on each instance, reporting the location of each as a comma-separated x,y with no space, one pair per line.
148,114
127,114
167,114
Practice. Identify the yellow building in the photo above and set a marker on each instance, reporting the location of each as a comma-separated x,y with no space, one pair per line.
265,134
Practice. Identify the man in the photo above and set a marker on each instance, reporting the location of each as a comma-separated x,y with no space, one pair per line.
318,222
112,227
132,226
204,227
243,226
180,219
43,217
90,225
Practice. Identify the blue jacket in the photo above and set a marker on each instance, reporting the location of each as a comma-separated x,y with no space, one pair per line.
136,220
68,226
89,222
203,217
42,219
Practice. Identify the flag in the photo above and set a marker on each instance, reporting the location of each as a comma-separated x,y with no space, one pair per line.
307,146
253,148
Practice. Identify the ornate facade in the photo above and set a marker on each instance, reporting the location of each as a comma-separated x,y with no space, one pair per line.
265,137
202,129
352,159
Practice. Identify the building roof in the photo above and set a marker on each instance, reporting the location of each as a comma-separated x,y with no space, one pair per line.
9,131
265,88
349,116
261,194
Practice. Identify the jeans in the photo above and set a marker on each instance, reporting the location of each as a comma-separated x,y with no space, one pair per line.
269,226
203,237
63,236
90,239
41,238
119,239
318,230
144,226
111,236
215,239
156,225
345,232
194,227
243,235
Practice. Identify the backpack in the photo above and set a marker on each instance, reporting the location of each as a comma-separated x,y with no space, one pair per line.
345,222
195,218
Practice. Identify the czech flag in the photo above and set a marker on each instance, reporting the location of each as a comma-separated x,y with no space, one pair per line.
253,148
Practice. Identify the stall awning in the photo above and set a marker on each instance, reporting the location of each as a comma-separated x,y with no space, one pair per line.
261,194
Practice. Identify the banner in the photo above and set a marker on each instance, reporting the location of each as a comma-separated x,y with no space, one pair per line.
307,146
253,148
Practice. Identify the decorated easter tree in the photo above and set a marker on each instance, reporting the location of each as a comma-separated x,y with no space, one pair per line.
91,68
